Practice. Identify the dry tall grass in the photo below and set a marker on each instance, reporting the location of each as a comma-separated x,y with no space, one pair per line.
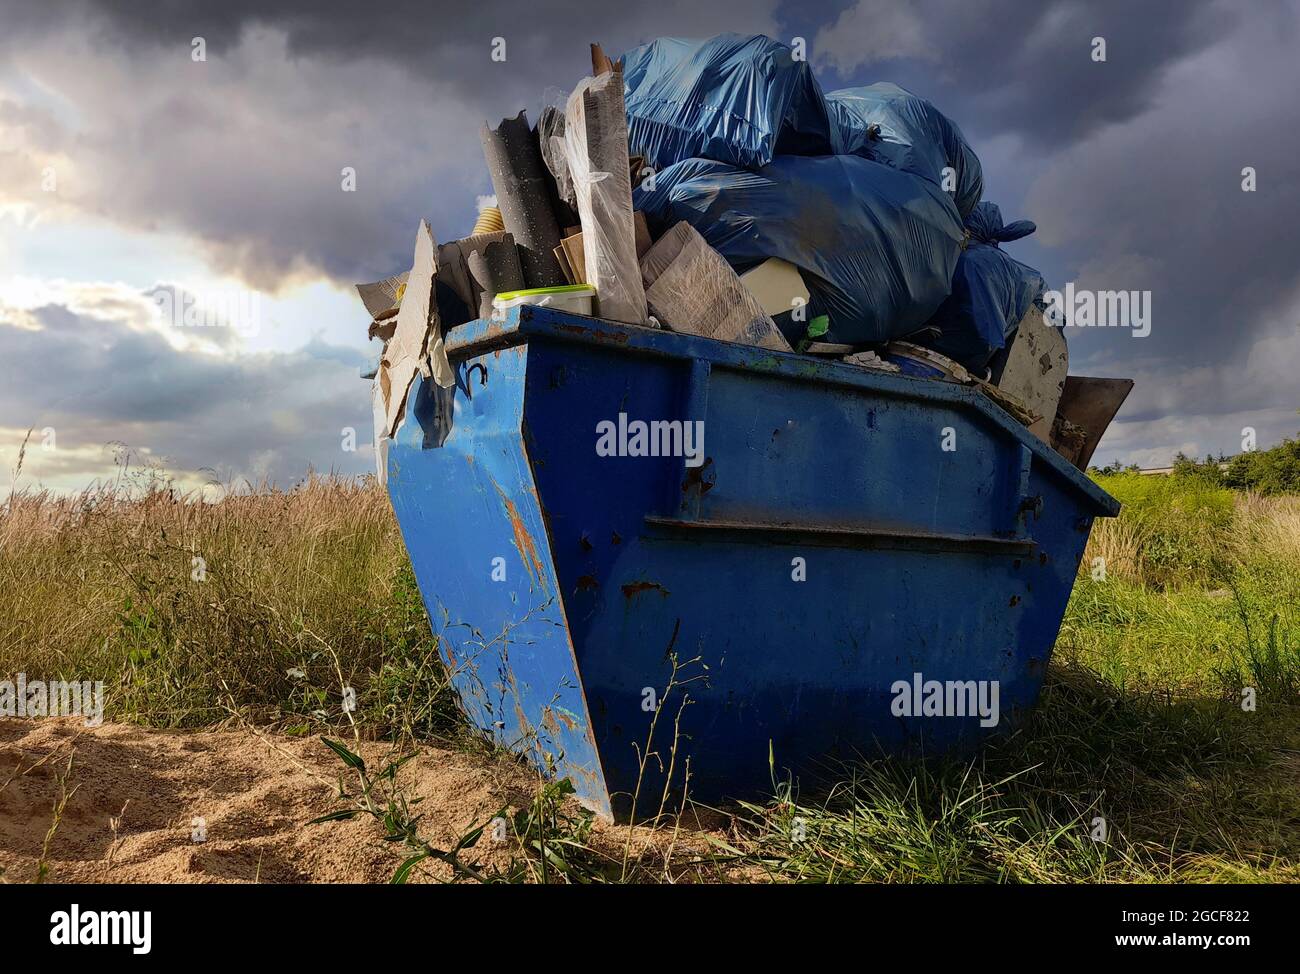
275,600
1268,527
1172,533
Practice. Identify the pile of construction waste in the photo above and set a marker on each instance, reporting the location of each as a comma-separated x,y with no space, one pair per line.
711,187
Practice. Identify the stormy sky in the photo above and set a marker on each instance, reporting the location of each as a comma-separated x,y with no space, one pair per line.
126,166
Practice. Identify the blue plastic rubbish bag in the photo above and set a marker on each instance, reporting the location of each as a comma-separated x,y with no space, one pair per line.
991,292
737,99
891,125
876,246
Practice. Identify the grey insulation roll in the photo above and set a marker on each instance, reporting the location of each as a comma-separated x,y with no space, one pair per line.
523,195
453,267
495,268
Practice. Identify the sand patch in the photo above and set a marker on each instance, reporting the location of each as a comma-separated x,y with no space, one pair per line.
134,795
254,793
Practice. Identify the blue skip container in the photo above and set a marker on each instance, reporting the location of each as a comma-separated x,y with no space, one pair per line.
649,555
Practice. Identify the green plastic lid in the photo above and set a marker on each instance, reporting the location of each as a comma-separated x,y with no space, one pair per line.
537,291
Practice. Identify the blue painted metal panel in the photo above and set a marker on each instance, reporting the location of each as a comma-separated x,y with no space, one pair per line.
473,525
826,546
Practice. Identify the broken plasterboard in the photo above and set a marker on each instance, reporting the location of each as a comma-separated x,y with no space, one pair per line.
1037,363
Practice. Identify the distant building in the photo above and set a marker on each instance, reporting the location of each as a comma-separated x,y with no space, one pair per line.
1161,471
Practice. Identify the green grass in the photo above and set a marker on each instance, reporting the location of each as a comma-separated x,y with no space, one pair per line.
1141,725
1187,790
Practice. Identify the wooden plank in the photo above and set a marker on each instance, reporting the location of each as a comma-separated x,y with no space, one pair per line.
573,250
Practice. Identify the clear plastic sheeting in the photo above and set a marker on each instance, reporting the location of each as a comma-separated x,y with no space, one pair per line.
991,292
595,149
877,246
888,124
734,98
691,289
550,140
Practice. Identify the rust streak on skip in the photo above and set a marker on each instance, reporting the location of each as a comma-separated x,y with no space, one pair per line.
523,540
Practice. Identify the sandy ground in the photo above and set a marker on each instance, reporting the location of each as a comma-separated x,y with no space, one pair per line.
135,793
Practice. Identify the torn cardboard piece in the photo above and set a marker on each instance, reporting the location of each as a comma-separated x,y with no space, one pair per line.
381,297
471,276
565,266
576,255
416,345
572,256
453,270
494,268
690,288
383,328
381,439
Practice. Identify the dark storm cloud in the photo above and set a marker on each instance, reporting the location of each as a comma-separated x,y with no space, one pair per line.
444,42
396,90
1158,204
1131,167
414,30
1011,66
245,151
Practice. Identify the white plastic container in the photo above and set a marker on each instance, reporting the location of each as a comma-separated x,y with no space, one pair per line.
574,298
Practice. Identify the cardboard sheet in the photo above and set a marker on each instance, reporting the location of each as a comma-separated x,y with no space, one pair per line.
416,345
691,289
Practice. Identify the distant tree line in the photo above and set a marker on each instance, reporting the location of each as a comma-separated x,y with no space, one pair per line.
1273,471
